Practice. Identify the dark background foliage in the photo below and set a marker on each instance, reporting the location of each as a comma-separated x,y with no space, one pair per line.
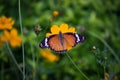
97,20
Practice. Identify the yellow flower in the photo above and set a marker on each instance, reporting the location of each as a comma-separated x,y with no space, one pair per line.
46,53
63,28
13,37
6,23
55,13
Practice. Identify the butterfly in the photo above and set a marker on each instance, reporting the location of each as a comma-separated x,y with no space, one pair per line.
60,42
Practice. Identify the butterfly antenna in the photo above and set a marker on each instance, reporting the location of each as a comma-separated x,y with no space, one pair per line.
76,66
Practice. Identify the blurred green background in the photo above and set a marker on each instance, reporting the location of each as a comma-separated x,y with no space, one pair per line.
98,57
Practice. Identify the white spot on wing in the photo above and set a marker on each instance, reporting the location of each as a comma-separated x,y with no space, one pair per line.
46,44
77,36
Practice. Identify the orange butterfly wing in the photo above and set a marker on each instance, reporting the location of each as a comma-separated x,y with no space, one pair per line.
55,44
70,40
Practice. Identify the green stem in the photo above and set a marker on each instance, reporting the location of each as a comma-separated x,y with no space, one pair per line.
12,56
104,71
76,66
104,42
37,57
20,20
34,67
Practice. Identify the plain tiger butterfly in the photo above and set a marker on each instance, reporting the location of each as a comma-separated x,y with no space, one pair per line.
59,42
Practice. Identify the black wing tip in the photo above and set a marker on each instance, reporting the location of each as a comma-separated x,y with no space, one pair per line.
82,38
41,45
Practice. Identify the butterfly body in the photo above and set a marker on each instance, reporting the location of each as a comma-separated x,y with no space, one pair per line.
62,42
61,37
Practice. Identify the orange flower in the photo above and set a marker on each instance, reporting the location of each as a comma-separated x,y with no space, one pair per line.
48,55
6,23
63,28
55,13
13,37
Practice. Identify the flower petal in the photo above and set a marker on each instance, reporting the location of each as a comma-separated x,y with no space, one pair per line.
13,32
64,28
16,41
53,58
48,34
48,55
72,29
13,43
7,35
55,29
